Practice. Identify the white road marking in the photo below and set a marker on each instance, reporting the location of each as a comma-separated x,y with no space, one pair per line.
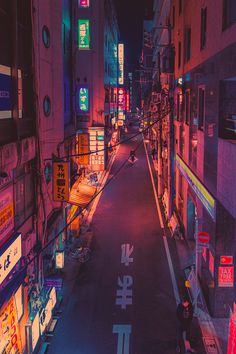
123,332
126,251
124,296
171,268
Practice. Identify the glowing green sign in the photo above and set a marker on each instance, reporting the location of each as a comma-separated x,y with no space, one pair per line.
83,99
84,34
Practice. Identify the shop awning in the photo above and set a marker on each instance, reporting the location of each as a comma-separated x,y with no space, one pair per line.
81,193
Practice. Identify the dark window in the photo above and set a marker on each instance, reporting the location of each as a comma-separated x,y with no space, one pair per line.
229,13
179,107
180,7
187,107
46,36
187,44
227,110
173,17
201,107
203,28
47,106
23,198
179,54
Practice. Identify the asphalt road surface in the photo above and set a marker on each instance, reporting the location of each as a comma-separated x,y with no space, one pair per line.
122,301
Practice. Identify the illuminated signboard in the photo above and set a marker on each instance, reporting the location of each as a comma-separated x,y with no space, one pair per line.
6,212
61,181
121,63
84,34
226,276
83,148
96,141
10,257
59,259
201,192
121,99
83,99
5,92
83,3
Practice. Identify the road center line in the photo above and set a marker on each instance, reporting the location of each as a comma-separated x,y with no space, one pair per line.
171,268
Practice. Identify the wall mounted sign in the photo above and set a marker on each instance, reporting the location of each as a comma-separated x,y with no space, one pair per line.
226,260
82,99
5,92
201,192
84,34
226,277
96,142
83,3
6,212
10,257
121,63
83,148
61,181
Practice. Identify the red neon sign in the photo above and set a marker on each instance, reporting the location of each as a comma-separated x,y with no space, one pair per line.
226,260
226,277
84,3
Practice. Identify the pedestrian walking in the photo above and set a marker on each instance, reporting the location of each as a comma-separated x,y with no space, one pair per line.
185,317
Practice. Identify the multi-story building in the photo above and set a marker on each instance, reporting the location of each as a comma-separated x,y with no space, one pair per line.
203,35
96,77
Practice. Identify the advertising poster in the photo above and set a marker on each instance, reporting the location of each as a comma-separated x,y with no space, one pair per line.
10,342
6,212
226,277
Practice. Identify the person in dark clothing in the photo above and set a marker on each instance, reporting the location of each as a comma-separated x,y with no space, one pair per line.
185,317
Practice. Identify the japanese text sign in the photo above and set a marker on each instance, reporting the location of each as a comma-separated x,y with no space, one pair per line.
226,277
61,181
10,257
121,63
83,3
83,144
6,212
84,34
232,333
83,99
9,330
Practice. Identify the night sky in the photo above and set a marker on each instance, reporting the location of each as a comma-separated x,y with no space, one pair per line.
131,14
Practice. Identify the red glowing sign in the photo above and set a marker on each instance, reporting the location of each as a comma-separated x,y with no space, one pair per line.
121,99
83,3
232,333
226,260
203,237
226,277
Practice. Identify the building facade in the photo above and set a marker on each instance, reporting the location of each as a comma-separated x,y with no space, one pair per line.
203,36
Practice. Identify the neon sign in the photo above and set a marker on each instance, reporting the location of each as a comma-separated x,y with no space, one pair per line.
83,99
83,3
121,63
84,34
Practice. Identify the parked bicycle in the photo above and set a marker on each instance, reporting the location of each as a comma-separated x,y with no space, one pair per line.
82,254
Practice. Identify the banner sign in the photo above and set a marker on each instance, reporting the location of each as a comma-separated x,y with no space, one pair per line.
6,212
232,333
226,277
83,148
10,257
9,332
5,92
82,99
96,142
121,63
121,99
83,3
201,192
61,181
84,34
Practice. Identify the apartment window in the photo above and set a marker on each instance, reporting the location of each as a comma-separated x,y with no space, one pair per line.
203,28
229,13
179,54
201,107
180,7
187,107
227,111
187,44
173,17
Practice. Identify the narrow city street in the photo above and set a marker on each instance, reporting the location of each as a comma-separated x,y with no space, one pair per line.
144,321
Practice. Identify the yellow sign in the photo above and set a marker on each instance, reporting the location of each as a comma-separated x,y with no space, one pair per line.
6,212
61,181
83,143
9,332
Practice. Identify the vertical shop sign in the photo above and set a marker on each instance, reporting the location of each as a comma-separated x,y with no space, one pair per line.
10,257
232,333
83,99
83,143
84,34
5,92
9,332
61,181
226,277
121,63
6,212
